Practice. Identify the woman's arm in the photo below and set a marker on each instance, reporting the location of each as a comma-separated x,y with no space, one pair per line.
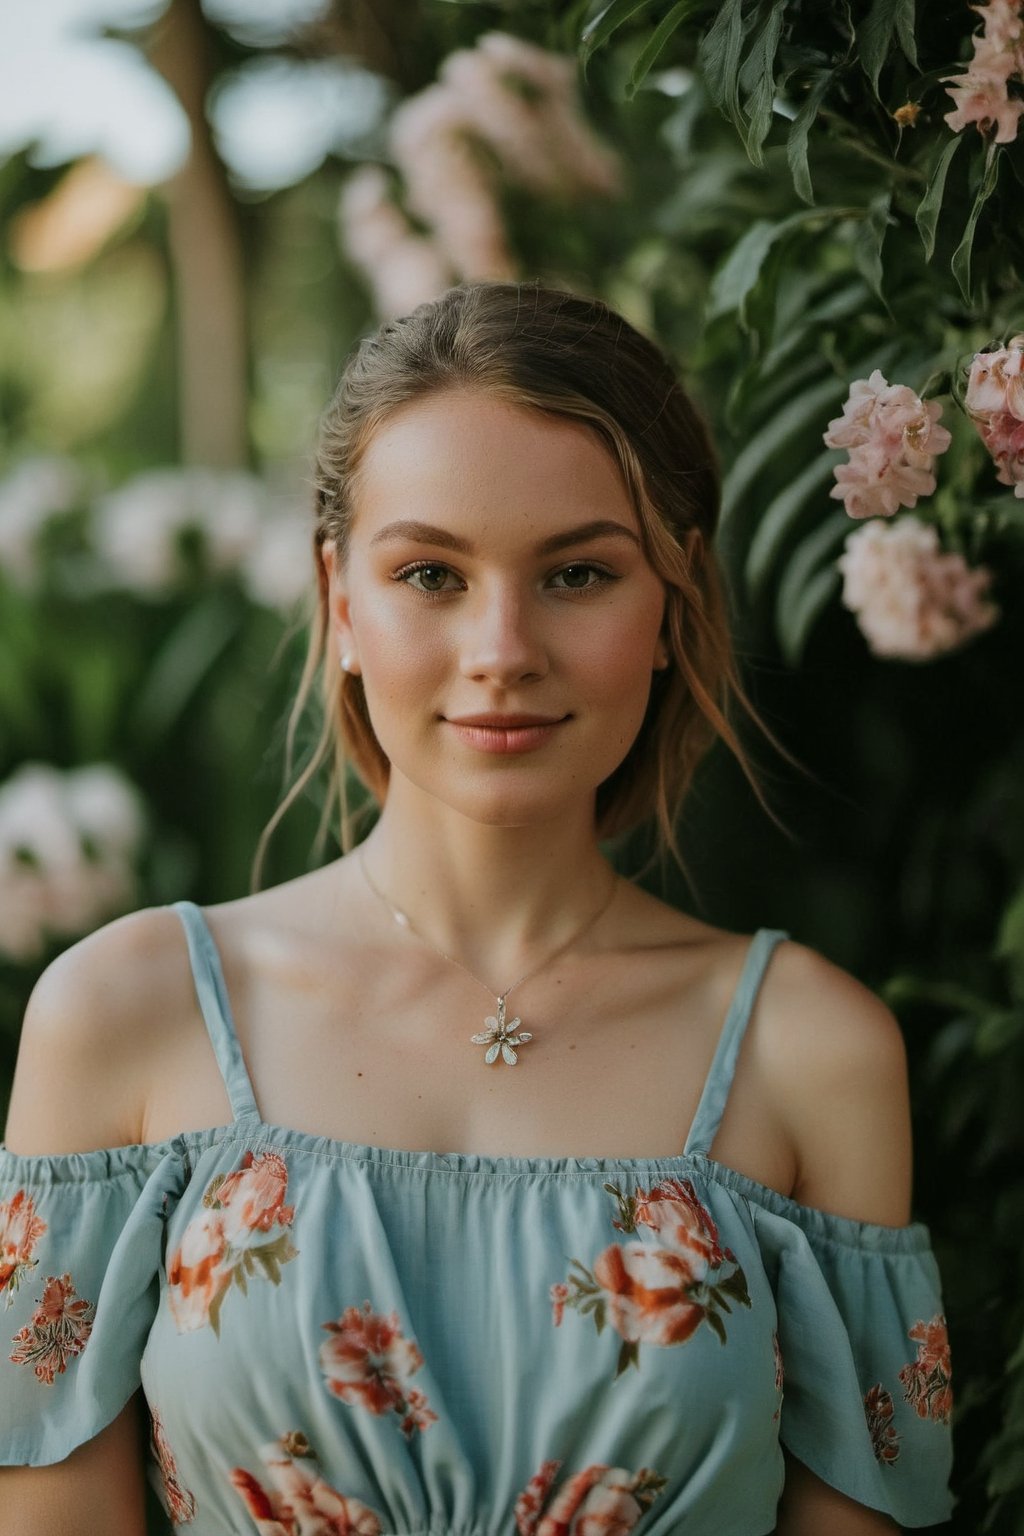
98,1491
84,1014
841,1085
809,1507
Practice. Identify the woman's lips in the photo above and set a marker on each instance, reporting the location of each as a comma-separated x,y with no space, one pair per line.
506,738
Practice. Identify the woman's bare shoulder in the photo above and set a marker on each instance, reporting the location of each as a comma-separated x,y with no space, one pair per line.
92,1031
834,1057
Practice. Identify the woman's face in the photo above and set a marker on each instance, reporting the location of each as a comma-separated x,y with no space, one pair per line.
498,604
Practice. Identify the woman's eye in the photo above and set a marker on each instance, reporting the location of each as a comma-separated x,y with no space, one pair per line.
577,578
426,577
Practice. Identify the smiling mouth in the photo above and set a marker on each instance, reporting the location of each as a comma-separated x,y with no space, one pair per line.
507,733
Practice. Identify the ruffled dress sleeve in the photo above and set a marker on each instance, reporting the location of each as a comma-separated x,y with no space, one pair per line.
867,1393
81,1249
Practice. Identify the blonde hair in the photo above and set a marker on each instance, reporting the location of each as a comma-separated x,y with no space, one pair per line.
570,356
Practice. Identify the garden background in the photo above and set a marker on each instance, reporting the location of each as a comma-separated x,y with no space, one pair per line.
205,206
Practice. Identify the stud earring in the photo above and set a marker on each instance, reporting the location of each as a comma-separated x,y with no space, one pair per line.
346,661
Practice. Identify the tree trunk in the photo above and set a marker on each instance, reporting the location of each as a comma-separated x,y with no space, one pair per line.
206,260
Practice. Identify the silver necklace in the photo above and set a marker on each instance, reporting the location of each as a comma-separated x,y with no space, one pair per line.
499,1033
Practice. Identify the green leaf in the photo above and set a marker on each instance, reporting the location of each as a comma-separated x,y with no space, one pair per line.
874,38
655,44
716,1324
808,586
869,240
961,263
601,28
796,143
761,449
629,1354
930,206
758,77
735,279
999,1031
238,1275
1010,943
719,58
181,665
779,516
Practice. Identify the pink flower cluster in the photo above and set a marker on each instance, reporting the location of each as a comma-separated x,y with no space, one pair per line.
995,403
980,93
598,1501
893,438
504,108
912,600
298,1502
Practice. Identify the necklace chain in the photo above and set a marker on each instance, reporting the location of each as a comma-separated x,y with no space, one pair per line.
403,922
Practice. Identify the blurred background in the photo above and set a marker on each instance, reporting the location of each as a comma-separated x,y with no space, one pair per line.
205,205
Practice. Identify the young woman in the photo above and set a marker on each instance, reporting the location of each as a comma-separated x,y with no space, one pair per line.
461,1186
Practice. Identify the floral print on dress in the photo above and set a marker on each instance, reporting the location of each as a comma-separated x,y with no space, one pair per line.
20,1230
657,1292
368,1362
879,1409
298,1501
59,1330
780,1372
181,1505
926,1380
228,1243
599,1501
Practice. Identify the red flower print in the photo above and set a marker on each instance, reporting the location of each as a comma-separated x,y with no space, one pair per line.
648,1292
181,1506
879,1409
299,1502
599,1501
672,1210
221,1246
368,1362
559,1297
59,1330
20,1230
657,1292
531,1501
780,1374
253,1197
927,1380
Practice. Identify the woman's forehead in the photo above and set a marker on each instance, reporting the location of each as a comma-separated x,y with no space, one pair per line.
466,454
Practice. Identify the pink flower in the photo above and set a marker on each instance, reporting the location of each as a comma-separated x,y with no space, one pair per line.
927,1380
403,268
253,1197
368,1362
649,1292
181,1505
893,438
58,1332
559,1295
20,1230
300,1502
196,1271
599,1501
672,1210
912,600
979,94
995,403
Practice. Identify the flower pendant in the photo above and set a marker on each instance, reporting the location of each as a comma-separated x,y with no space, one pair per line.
499,1036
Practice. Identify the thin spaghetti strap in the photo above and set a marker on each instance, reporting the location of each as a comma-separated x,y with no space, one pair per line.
723,1065
208,976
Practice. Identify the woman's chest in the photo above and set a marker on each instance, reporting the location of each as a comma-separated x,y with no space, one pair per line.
435,1337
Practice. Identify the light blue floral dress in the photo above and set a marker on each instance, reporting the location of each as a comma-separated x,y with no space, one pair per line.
337,1338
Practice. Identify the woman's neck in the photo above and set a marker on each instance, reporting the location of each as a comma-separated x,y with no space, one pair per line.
495,898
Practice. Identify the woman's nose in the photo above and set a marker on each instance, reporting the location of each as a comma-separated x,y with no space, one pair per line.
502,640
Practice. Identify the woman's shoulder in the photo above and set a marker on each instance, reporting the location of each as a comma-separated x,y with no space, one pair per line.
91,1033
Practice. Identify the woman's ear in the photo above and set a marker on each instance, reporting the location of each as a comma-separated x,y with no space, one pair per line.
339,616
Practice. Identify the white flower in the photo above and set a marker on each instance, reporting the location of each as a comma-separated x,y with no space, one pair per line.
30,495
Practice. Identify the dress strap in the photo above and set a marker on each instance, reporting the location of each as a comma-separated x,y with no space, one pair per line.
723,1065
208,975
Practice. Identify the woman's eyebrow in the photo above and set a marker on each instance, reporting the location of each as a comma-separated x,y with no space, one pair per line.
427,533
